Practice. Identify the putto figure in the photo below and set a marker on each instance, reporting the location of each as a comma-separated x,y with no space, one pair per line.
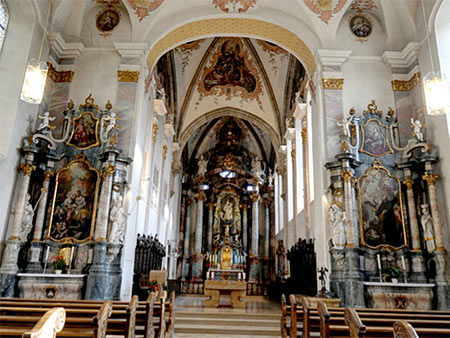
45,124
417,126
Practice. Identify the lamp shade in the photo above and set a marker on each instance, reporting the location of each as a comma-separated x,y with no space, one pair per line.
34,82
437,96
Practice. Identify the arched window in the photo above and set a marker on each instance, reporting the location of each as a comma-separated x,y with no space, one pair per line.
3,21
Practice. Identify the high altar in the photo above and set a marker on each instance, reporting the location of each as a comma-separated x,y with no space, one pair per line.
386,246
233,249
73,175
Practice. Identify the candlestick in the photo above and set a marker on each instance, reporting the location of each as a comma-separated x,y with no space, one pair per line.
70,259
404,268
379,267
46,258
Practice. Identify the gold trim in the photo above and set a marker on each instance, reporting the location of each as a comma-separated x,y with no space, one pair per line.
59,76
154,131
27,169
332,83
201,196
97,142
386,138
109,170
338,192
117,187
80,158
237,27
430,178
127,76
377,165
406,86
408,182
88,103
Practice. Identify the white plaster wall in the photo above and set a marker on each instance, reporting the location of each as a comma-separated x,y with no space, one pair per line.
96,74
22,41
365,80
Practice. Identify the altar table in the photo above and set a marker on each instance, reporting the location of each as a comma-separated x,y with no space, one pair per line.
214,288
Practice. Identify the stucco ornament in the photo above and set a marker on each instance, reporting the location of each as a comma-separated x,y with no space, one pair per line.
325,8
144,7
234,6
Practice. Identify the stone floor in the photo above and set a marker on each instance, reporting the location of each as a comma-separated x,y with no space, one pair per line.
260,318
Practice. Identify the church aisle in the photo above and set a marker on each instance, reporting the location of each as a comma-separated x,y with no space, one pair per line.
260,318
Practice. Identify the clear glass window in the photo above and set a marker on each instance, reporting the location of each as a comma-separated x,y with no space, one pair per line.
3,21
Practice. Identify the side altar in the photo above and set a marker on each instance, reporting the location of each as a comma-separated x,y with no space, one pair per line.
51,286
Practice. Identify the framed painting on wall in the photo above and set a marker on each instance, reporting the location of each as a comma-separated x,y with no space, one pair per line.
84,132
74,204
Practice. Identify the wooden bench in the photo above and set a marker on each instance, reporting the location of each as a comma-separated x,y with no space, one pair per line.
79,322
285,317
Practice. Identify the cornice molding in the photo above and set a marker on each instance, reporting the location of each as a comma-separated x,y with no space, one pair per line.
65,49
404,58
131,50
333,57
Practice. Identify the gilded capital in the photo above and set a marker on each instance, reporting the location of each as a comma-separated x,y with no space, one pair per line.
408,182
244,207
189,201
127,76
267,202
201,196
406,86
293,154
154,131
210,205
304,134
430,178
108,170
48,174
27,169
164,151
332,83
254,197
347,176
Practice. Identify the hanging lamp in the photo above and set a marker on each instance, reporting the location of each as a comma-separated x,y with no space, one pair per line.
435,85
36,73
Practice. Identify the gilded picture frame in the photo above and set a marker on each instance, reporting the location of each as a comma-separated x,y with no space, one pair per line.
74,204
84,133
380,206
375,139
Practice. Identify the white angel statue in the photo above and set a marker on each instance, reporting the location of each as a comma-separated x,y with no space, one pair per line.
417,126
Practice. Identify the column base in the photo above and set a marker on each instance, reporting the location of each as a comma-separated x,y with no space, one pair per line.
34,261
186,265
105,275
197,267
417,268
254,269
442,284
354,287
7,284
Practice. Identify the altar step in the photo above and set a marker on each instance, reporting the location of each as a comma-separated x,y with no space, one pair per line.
223,324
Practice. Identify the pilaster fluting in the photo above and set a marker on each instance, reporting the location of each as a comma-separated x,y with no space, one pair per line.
41,209
26,169
199,228
101,226
210,225
414,225
255,222
244,227
437,227
351,228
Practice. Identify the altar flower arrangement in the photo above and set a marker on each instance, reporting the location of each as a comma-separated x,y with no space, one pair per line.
395,273
153,285
59,263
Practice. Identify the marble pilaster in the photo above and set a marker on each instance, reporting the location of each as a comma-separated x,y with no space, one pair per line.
245,227
210,225
254,262
197,261
431,178
101,225
187,230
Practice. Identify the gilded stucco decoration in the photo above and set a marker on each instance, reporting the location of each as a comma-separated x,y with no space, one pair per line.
332,83
406,86
144,7
234,6
185,51
230,72
59,76
325,8
127,76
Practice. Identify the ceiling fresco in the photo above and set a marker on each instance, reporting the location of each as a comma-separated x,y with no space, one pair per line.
325,8
234,6
144,7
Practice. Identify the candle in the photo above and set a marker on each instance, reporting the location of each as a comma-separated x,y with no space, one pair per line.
379,263
46,254
403,263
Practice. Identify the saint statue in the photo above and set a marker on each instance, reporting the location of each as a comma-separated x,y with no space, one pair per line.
257,169
109,122
427,226
117,219
417,126
227,212
337,219
202,166
27,220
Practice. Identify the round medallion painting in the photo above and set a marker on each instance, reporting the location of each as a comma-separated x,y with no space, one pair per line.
107,20
361,26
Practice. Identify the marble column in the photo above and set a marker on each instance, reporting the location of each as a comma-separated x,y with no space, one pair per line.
351,224
197,257
267,203
210,206
254,261
104,277
187,230
245,227
417,261
437,226
9,266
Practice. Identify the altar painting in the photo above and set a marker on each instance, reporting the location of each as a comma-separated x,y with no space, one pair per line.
381,208
74,202
375,138
84,133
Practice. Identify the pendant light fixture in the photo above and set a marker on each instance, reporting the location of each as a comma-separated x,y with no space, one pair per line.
36,73
435,85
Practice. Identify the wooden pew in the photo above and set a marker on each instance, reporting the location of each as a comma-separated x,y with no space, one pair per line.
48,325
79,322
285,315
402,329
